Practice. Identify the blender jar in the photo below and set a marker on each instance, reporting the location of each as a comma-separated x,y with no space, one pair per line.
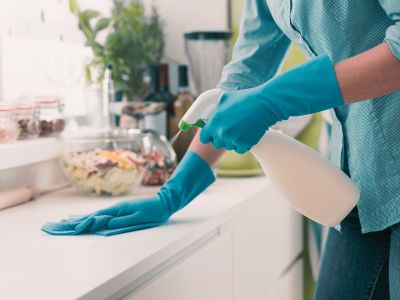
207,52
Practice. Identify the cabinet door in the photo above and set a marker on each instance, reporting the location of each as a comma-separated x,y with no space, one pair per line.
265,242
290,286
206,274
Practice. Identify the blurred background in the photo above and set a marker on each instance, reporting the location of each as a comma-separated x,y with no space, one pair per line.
43,52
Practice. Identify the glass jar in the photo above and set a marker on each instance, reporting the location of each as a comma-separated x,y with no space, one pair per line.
52,122
163,157
28,120
8,124
162,161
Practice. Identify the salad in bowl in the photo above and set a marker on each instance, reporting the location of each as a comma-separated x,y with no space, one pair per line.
111,163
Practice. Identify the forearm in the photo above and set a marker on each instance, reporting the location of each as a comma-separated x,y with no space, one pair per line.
371,74
206,151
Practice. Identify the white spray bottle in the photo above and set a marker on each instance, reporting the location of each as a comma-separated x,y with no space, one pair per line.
312,184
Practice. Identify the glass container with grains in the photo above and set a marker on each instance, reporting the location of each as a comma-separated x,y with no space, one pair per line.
8,124
52,122
28,120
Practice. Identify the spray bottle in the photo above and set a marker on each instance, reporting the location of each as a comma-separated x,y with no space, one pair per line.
312,184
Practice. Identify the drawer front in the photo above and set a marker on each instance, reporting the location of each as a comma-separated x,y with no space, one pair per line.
290,286
265,242
206,274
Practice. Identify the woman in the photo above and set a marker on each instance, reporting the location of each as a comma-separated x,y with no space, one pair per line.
355,69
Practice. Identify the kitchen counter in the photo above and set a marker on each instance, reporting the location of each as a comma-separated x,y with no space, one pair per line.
34,265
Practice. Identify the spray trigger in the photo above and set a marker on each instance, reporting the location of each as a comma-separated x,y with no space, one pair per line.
184,126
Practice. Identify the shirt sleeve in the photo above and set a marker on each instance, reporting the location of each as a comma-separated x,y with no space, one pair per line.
392,9
258,51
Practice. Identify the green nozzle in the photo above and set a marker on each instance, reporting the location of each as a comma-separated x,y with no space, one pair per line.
184,126
199,124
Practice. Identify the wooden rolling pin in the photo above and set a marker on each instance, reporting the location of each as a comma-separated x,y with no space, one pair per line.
21,195
17,196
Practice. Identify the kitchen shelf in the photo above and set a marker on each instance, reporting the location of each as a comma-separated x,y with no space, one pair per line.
28,152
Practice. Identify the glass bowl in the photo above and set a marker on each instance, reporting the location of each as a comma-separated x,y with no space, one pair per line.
110,163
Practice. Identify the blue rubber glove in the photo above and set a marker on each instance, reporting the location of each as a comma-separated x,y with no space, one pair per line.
243,116
191,177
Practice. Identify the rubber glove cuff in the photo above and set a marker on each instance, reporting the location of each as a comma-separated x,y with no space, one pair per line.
309,88
192,176
243,116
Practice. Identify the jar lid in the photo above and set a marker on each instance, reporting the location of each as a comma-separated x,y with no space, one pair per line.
47,100
26,106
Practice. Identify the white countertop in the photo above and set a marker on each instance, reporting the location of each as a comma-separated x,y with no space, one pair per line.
34,265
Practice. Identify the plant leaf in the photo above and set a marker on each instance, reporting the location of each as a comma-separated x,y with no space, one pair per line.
133,42
73,6
85,28
101,24
88,73
90,14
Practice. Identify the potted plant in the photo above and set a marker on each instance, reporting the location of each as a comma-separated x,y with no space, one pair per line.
133,41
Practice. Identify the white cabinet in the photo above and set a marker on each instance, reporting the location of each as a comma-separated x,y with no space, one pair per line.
265,242
206,274
246,261
290,286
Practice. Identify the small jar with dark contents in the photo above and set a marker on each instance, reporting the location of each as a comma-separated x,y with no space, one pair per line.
162,161
28,120
8,124
52,122
159,170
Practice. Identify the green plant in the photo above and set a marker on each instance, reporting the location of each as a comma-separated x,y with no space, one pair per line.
133,42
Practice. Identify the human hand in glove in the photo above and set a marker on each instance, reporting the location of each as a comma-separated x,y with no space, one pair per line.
191,177
243,116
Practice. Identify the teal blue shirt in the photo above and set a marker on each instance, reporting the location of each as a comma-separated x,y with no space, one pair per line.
366,135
